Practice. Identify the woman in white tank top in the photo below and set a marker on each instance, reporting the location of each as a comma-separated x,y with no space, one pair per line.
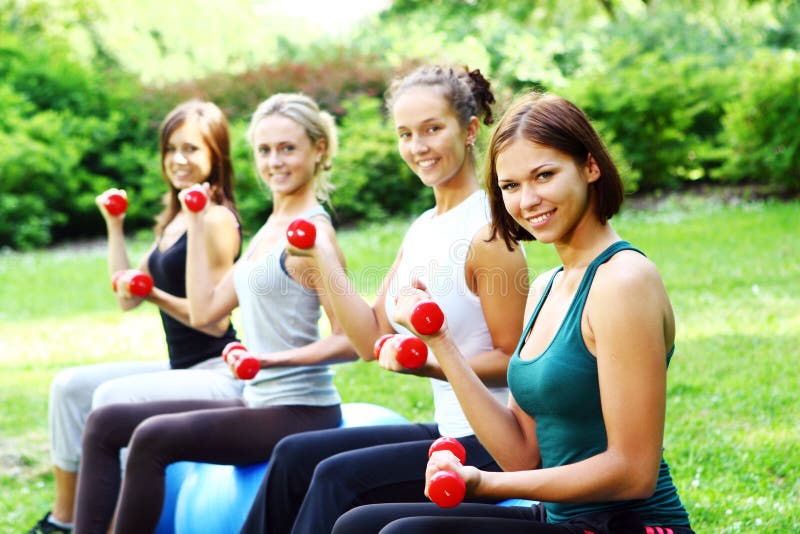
315,477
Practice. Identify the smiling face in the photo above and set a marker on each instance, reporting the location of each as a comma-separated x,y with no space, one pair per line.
285,157
187,157
430,138
545,190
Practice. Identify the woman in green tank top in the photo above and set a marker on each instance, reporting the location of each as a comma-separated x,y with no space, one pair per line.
583,431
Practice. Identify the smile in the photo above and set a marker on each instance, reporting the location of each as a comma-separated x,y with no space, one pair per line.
427,163
539,219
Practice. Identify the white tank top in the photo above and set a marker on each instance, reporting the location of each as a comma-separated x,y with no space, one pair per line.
435,249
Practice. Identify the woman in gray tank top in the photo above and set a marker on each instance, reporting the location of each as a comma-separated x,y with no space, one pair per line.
314,477
280,301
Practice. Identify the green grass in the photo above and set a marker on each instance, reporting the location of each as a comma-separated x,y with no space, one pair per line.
733,421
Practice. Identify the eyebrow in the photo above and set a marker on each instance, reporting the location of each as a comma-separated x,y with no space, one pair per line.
531,172
425,121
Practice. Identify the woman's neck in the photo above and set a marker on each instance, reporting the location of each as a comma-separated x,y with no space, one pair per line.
456,190
585,243
292,206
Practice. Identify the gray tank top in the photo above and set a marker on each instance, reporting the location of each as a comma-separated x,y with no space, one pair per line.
276,313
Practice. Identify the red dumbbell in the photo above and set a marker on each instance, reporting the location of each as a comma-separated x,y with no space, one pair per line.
139,284
449,444
427,317
412,352
379,344
116,203
301,233
246,366
195,199
446,488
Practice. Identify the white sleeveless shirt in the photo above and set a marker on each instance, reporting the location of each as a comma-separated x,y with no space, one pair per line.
435,249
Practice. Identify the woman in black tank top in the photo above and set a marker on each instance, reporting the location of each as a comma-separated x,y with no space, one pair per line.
195,148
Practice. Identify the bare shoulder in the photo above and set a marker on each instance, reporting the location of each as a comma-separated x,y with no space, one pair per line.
220,217
485,250
631,280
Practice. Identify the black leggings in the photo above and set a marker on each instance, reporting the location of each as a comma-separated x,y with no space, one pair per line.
484,519
163,432
315,477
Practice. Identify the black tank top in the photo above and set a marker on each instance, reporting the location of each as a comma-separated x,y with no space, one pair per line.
186,346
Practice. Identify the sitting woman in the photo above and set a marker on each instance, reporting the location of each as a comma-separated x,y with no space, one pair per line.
280,298
583,430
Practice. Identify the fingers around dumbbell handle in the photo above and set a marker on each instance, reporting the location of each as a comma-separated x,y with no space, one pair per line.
446,489
301,233
139,284
427,317
376,349
412,352
230,347
449,444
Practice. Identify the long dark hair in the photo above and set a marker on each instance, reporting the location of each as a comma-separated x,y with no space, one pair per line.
214,128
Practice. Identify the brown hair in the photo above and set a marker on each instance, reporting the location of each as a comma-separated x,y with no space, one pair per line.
555,122
214,129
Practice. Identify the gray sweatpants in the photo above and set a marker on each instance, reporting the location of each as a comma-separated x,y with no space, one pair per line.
75,391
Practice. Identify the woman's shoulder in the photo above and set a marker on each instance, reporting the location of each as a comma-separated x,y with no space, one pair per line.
628,272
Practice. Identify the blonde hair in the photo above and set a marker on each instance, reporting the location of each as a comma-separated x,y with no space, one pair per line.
317,123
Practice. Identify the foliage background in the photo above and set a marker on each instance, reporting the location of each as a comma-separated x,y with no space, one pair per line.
689,95
686,94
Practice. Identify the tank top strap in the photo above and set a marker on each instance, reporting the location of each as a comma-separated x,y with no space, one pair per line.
314,211
573,317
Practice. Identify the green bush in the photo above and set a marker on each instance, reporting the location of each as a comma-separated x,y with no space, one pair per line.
61,127
665,117
372,181
760,124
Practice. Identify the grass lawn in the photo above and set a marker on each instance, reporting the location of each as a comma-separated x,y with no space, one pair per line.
733,419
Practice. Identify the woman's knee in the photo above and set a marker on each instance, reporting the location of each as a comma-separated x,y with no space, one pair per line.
332,470
100,424
150,435
290,451
70,386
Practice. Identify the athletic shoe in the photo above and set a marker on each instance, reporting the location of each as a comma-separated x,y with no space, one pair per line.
44,526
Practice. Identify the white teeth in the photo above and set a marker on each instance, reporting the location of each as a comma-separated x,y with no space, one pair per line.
540,218
427,163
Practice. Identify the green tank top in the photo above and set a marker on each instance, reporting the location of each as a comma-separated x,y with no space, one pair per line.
560,390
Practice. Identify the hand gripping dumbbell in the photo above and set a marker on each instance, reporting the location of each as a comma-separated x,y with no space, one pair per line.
412,353
446,488
116,203
301,233
427,317
246,366
139,284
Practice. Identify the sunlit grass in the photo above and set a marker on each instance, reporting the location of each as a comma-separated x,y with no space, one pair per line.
733,419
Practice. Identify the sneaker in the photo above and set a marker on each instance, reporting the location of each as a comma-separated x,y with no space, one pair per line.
44,526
